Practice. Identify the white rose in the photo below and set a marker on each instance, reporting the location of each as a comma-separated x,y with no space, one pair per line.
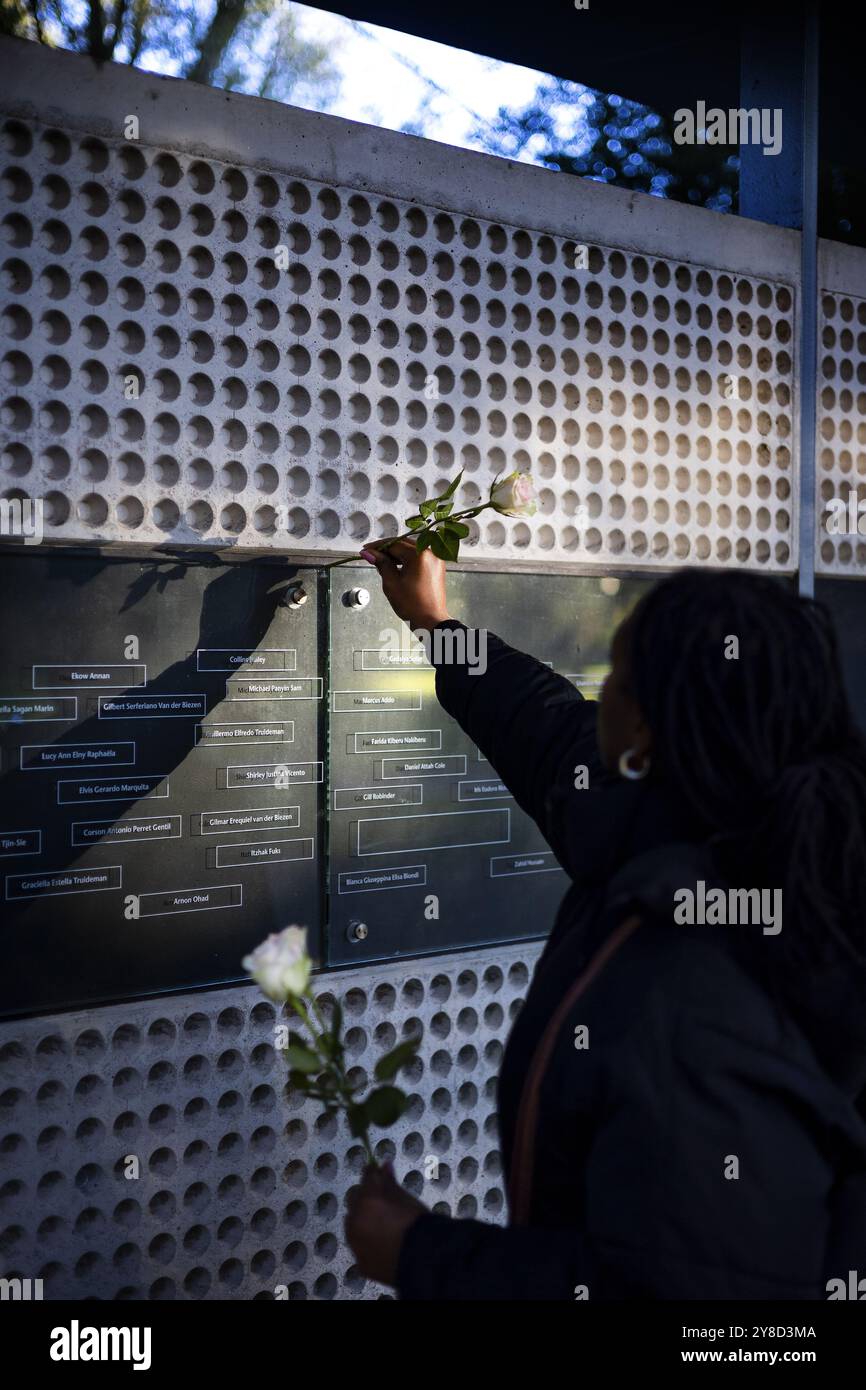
514,495
281,966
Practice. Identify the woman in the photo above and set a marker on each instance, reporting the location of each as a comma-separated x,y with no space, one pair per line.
678,1100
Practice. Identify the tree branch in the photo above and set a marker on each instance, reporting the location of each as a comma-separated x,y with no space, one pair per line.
219,34
140,15
117,20
33,6
95,30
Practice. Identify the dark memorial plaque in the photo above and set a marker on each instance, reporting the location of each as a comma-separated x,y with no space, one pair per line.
185,747
162,736
428,851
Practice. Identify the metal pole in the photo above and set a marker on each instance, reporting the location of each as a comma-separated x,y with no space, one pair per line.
808,375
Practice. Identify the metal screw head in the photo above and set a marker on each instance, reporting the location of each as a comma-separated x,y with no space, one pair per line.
358,598
357,931
295,597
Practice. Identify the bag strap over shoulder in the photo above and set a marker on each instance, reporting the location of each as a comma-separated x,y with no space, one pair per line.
523,1158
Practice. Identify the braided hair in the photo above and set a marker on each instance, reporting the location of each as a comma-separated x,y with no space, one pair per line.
757,739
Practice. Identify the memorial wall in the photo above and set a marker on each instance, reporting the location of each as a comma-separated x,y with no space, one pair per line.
236,347
197,752
163,746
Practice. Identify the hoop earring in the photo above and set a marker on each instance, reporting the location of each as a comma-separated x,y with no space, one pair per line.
632,774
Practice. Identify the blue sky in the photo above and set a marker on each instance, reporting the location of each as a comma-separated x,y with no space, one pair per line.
387,78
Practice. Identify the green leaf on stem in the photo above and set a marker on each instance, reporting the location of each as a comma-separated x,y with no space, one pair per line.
358,1121
445,545
459,529
385,1105
415,523
452,486
302,1058
302,1081
443,509
388,1066
424,540
427,508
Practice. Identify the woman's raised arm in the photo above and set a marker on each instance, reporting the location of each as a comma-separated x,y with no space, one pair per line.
531,723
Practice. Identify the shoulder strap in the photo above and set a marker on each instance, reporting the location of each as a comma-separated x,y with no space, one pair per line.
523,1157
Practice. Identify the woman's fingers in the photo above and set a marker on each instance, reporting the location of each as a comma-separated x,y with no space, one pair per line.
413,582
380,1180
385,556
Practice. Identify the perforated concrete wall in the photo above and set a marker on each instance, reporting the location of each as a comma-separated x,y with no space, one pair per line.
235,351
241,1188
261,328
841,442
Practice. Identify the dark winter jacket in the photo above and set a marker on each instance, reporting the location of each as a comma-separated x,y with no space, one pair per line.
696,1148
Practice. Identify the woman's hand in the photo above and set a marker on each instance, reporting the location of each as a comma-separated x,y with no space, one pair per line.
379,1212
413,584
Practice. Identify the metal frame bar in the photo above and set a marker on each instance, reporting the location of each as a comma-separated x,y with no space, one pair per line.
808,380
